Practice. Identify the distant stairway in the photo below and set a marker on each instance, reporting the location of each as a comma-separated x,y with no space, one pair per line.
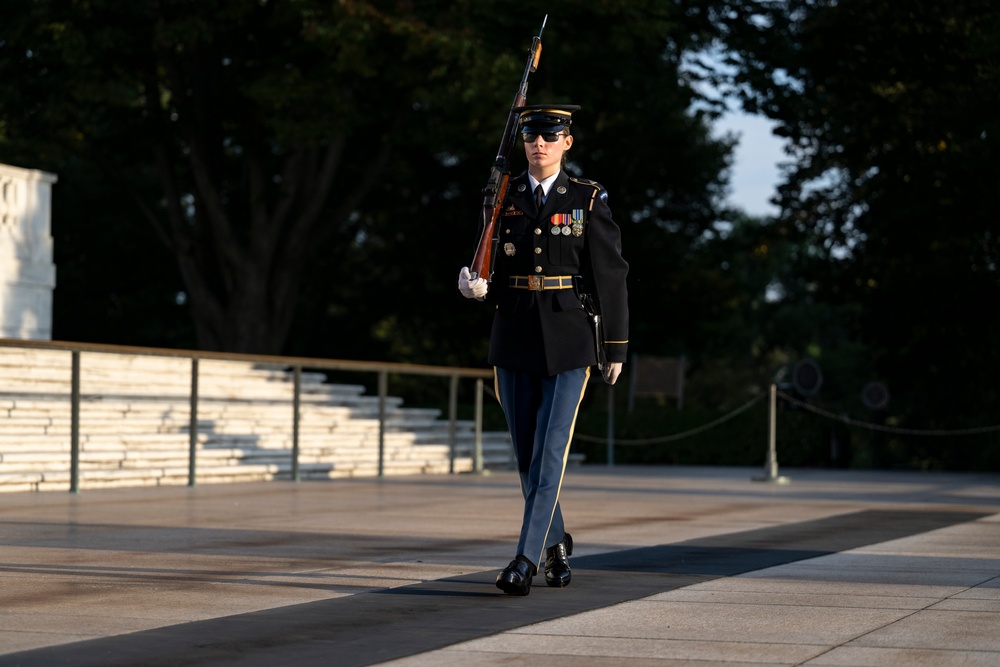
135,425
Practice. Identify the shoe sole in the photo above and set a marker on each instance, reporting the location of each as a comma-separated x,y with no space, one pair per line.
510,588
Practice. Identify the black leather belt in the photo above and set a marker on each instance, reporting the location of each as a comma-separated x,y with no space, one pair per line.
539,283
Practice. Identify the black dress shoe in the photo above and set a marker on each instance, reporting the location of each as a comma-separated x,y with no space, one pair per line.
516,577
557,572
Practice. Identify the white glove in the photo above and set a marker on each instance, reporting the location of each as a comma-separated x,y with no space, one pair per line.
471,289
611,371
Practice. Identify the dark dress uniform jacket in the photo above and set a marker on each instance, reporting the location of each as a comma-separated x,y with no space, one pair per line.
548,332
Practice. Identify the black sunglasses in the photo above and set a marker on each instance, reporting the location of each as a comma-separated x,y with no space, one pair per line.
549,137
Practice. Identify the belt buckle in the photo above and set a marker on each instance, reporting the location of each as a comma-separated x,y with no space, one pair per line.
536,283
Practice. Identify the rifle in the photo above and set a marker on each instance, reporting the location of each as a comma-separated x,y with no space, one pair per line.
495,191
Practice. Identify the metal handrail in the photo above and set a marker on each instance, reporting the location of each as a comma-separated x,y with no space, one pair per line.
382,368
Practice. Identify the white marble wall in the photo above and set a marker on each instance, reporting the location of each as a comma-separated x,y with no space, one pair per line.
27,273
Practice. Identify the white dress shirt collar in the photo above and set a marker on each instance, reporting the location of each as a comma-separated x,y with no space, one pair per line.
545,183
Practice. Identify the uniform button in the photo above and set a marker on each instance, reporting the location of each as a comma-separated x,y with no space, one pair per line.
538,230
538,269
538,251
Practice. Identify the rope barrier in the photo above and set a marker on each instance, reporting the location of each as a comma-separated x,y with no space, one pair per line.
678,436
887,429
802,404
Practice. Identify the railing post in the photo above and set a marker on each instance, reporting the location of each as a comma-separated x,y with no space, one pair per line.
452,418
383,389
771,465
477,460
74,424
296,415
193,426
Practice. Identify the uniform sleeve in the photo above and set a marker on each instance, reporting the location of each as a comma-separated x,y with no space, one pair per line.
609,273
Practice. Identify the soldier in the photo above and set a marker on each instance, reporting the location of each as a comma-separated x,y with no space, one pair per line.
559,251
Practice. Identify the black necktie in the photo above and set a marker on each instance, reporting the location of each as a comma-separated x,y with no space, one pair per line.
539,193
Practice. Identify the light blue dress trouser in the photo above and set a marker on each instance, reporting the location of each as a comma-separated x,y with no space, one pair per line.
541,413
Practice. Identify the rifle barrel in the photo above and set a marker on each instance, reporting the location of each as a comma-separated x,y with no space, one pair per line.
496,187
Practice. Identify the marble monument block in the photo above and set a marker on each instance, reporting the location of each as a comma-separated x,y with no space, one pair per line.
27,273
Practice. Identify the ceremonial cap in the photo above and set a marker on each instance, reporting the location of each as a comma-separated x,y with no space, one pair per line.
546,117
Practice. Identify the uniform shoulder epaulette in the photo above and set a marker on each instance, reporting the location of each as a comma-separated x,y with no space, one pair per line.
599,189
586,181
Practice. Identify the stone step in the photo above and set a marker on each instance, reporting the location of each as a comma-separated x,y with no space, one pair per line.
101,373
207,408
131,458
227,373
340,434
163,432
178,475
138,389
406,418
32,358
10,400
61,450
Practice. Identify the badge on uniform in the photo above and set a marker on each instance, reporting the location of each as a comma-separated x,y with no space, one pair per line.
509,249
577,224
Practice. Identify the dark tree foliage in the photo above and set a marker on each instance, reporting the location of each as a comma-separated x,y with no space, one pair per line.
247,136
890,110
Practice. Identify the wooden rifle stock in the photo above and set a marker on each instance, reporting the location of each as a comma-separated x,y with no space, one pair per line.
495,191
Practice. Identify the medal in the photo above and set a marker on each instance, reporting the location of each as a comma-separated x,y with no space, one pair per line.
557,222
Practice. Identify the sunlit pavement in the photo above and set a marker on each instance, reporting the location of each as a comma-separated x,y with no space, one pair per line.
672,566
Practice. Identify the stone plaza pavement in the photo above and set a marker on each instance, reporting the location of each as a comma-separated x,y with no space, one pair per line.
673,566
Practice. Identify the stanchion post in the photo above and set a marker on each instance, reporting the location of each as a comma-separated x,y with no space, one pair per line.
452,418
74,423
383,390
193,426
771,465
296,420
